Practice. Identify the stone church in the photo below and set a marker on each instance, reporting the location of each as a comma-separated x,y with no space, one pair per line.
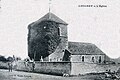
48,41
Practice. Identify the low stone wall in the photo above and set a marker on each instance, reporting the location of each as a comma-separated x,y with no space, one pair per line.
83,68
57,68
24,66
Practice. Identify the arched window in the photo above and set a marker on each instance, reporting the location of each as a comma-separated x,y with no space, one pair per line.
99,59
59,31
82,58
93,59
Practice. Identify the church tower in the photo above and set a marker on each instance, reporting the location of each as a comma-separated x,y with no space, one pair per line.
47,38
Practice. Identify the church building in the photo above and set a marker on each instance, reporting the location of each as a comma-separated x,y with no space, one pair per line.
48,41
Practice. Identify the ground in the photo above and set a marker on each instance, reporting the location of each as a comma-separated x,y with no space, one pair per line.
18,75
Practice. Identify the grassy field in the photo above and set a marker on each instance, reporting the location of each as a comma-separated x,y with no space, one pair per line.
17,75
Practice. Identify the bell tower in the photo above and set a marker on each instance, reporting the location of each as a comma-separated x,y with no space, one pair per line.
47,36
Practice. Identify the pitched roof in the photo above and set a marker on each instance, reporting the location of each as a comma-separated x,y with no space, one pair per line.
50,17
79,48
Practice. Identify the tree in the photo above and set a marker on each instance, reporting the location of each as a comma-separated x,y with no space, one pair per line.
2,58
10,58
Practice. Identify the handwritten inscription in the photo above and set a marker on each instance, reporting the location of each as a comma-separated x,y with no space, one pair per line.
21,76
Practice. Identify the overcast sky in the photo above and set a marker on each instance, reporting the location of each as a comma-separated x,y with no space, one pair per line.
100,26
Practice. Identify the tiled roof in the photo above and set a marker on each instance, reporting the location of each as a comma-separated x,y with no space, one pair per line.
79,48
50,17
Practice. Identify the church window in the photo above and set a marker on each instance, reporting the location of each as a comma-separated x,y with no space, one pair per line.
93,59
82,58
59,31
99,59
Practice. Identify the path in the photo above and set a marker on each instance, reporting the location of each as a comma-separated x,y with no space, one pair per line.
18,75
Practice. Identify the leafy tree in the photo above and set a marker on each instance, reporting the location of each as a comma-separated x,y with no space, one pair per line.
2,58
10,58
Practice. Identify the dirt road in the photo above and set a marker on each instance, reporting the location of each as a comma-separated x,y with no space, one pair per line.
18,75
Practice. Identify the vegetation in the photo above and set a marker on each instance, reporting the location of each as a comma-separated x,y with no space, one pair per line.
3,59
43,39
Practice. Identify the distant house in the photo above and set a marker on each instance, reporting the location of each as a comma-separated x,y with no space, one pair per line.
48,39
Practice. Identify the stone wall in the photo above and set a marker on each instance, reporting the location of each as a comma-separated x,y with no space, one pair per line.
72,68
57,68
3,65
83,68
53,67
24,66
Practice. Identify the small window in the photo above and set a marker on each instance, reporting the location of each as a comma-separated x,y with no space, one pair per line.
93,59
59,31
99,59
82,58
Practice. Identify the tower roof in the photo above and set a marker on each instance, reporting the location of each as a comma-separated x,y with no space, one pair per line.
51,17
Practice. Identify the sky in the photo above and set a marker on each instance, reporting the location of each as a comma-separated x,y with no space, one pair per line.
96,25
